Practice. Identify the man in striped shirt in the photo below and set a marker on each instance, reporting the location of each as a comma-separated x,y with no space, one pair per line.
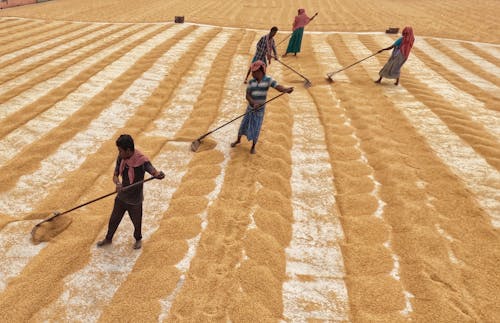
265,48
256,96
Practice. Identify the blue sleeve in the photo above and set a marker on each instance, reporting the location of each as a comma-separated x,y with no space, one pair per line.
398,42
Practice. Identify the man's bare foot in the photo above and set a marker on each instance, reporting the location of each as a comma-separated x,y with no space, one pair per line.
233,144
397,83
245,82
252,150
377,81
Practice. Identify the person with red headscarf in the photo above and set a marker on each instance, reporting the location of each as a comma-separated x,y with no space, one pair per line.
301,20
401,51
256,96
131,164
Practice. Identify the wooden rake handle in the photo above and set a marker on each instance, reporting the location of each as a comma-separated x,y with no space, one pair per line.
56,214
344,68
284,39
292,69
225,124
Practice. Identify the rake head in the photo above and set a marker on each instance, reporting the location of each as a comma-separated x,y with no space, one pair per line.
200,145
329,78
307,84
195,145
48,229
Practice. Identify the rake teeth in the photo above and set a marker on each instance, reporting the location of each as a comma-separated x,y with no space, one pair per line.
49,229
33,231
195,145
307,84
329,78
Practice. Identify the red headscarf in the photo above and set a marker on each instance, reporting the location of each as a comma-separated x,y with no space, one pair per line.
408,40
136,160
301,20
258,64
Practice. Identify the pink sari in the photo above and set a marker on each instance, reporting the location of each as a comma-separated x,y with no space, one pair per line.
301,20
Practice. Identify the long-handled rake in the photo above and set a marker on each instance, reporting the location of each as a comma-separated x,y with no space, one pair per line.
57,214
307,83
196,144
329,75
288,36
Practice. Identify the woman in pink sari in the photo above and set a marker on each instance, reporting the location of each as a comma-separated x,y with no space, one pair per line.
402,48
301,20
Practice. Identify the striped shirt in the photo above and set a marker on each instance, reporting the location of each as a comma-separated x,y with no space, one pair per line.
252,122
258,91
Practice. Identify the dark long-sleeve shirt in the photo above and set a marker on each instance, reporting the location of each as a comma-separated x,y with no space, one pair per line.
133,195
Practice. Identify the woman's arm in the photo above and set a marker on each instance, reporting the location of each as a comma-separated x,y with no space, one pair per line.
390,47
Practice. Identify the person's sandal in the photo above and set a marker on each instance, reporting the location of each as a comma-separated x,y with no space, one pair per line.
103,242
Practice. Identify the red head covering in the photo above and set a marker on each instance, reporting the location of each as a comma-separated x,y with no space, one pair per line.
136,160
258,64
301,20
408,40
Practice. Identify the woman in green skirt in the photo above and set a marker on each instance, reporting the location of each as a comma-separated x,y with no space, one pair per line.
301,20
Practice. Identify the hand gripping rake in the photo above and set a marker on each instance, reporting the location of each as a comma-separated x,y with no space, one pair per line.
196,144
57,214
329,75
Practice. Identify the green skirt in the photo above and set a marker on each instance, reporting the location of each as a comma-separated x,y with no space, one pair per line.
296,41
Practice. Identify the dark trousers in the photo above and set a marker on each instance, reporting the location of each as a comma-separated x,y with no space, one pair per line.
135,213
